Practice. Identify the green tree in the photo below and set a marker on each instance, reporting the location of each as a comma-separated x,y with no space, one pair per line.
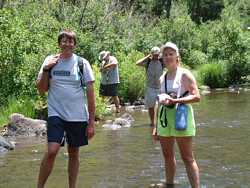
204,10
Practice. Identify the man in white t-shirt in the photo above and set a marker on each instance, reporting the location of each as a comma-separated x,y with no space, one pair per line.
71,114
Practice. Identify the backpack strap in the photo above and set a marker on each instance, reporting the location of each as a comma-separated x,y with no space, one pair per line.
147,64
80,66
166,84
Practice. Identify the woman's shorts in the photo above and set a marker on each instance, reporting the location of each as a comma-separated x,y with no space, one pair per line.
109,90
74,132
166,123
151,96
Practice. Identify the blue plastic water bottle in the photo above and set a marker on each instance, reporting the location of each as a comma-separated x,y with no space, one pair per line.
181,117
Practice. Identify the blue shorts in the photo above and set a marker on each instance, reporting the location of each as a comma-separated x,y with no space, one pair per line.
74,132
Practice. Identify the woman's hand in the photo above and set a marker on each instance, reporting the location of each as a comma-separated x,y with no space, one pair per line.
169,101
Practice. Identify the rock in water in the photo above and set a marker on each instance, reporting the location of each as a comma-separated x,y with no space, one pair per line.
3,150
23,126
4,143
124,121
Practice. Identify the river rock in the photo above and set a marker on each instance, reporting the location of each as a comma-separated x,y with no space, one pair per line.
204,87
138,102
111,126
22,126
205,90
4,143
3,150
124,121
133,108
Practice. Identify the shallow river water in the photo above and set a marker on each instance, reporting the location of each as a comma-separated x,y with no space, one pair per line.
127,158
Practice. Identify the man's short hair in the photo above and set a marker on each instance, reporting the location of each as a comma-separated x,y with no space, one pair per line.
67,34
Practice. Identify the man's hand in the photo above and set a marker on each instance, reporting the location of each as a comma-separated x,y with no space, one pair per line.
52,62
149,56
90,132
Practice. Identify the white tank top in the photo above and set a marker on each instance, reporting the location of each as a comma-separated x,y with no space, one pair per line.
173,86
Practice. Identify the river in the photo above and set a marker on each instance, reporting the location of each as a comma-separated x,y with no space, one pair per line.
127,158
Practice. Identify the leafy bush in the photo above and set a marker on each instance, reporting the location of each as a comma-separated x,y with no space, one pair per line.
100,104
212,75
132,77
204,10
196,58
23,105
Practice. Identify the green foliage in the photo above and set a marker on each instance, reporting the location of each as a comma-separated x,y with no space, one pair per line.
196,58
129,29
204,10
24,105
162,7
212,75
229,44
100,104
132,77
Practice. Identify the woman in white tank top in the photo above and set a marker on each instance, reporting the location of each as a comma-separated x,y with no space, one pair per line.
181,87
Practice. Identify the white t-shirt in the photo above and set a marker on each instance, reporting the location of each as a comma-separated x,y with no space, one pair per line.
65,95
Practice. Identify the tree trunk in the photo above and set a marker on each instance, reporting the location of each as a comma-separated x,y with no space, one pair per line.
82,13
2,3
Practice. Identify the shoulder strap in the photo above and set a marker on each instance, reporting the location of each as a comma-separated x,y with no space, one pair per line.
166,85
147,64
162,65
80,66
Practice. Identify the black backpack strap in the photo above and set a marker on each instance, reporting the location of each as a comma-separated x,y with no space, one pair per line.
166,84
80,66
147,64
164,123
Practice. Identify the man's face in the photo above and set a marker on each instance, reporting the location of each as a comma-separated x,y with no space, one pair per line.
106,58
155,56
67,44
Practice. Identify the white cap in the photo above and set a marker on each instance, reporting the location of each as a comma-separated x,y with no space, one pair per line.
172,46
103,55
155,50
